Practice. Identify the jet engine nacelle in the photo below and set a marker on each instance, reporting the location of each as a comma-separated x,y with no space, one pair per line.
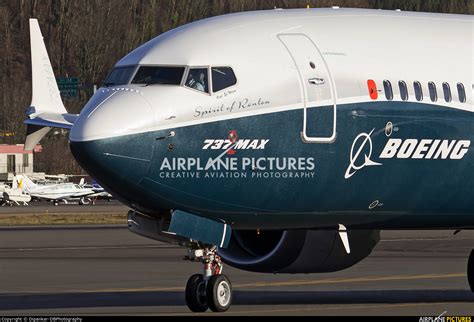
297,252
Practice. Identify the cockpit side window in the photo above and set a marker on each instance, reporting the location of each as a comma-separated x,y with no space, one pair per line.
120,76
154,75
222,78
198,79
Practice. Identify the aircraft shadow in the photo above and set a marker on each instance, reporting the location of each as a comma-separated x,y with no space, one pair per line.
250,298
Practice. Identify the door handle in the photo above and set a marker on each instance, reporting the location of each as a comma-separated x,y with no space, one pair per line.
317,81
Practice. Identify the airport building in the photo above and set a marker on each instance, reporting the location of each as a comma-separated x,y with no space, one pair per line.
14,159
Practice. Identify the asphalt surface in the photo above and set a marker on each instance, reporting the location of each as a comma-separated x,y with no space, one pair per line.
109,271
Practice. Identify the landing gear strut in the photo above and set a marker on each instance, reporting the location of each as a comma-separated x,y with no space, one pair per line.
211,290
470,271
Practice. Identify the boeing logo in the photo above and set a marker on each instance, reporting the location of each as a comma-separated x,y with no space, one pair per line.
365,141
427,149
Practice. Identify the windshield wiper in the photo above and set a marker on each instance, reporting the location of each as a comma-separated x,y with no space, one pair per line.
151,84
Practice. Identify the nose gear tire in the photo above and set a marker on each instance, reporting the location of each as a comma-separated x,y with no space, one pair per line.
196,294
219,293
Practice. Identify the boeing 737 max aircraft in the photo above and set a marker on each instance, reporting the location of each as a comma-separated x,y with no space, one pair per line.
280,141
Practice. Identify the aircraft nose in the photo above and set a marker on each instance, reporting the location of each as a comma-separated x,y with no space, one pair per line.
110,141
112,113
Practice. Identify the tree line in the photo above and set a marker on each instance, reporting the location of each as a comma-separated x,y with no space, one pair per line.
86,38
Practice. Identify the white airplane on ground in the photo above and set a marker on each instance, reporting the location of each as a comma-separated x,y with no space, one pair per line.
14,195
61,192
99,192
280,141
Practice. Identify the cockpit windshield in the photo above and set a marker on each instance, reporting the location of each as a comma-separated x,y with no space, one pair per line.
197,78
148,75
222,78
120,76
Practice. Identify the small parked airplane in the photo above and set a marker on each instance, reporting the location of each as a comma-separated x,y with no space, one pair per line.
99,191
61,192
14,195
280,141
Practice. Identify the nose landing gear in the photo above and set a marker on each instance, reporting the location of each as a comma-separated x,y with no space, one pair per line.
211,290
470,271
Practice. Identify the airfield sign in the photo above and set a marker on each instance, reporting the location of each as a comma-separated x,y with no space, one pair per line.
68,86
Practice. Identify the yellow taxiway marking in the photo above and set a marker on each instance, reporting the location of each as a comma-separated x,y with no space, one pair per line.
289,283
354,280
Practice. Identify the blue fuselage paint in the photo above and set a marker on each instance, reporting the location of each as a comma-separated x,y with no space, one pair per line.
394,165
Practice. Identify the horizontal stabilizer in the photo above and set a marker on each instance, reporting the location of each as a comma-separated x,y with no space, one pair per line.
62,121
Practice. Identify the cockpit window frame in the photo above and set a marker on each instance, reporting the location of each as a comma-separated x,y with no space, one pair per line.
209,79
104,84
209,76
223,66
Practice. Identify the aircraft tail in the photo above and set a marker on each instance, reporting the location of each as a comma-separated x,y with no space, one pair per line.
47,110
23,183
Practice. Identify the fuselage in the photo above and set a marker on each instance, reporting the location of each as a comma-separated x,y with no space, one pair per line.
360,117
59,191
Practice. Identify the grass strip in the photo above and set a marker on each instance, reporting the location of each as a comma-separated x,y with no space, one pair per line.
63,219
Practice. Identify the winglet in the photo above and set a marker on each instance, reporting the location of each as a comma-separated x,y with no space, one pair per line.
46,96
46,104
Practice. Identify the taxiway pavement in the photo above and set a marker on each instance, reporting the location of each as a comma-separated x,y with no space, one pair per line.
107,270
